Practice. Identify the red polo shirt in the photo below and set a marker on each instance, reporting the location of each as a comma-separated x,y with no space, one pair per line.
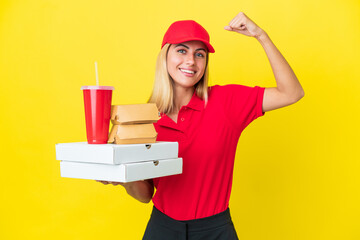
208,138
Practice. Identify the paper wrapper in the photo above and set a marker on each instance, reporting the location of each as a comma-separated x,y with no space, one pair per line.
134,113
132,134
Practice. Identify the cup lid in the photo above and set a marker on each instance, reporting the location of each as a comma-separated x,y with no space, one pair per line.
97,87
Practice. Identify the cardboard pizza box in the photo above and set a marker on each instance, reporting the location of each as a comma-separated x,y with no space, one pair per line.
121,173
116,154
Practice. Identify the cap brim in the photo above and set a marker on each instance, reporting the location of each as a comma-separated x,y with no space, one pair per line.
208,45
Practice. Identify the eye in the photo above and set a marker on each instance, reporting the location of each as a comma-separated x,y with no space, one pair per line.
199,54
181,51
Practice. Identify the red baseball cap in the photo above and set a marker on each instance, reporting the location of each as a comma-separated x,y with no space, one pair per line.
187,30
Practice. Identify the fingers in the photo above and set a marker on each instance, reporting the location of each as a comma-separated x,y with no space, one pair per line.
116,183
103,182
238,22
109,182
244,25
228,28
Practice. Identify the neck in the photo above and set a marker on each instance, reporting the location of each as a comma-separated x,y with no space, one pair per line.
182,97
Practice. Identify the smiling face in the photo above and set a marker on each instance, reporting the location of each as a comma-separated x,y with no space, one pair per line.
186,63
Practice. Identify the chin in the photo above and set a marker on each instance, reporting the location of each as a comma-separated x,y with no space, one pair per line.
187,85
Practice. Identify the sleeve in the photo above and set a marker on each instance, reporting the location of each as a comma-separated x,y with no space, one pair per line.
241,104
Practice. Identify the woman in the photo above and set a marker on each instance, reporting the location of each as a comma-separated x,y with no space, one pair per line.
207,122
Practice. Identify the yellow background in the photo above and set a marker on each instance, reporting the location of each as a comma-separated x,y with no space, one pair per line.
296,171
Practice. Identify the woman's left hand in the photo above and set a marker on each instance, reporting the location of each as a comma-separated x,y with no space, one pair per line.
110,182
244,25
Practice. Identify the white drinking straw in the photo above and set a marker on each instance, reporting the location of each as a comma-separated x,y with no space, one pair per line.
97,76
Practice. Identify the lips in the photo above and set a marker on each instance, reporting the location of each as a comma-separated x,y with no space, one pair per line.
187,71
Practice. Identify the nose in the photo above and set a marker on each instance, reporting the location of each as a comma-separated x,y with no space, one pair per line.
190,59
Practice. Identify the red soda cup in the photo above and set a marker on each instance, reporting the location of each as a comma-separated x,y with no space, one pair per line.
97,102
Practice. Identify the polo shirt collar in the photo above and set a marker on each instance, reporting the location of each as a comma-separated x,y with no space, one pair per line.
196,103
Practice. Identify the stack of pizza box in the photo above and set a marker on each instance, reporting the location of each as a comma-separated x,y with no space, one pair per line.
132,155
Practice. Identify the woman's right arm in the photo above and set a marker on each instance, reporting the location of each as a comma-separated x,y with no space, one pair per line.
142,191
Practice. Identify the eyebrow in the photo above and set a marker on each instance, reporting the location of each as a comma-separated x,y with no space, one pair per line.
183,45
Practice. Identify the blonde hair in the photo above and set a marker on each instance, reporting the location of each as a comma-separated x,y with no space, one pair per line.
163,90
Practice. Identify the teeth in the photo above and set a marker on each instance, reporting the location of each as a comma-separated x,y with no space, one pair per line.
187,71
